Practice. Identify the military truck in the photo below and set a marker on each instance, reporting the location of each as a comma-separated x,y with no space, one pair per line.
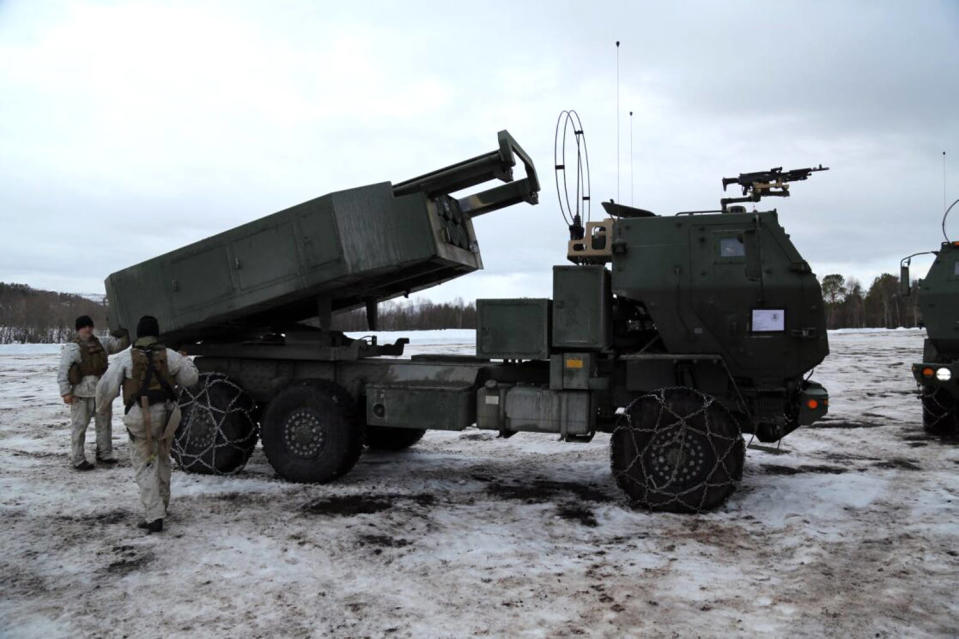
938,373
676,334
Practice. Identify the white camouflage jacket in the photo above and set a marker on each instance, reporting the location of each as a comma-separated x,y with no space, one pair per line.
181,369
70,354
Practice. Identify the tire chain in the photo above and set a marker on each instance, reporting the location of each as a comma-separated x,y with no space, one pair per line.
723,446
196,400
943,420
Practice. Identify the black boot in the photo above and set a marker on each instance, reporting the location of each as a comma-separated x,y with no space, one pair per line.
154,526
84,465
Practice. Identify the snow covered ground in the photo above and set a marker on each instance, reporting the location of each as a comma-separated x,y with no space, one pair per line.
851,528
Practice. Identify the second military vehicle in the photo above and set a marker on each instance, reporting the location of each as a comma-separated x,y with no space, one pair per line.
676,334
938,373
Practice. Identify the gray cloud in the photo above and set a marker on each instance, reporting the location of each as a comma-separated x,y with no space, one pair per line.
147,126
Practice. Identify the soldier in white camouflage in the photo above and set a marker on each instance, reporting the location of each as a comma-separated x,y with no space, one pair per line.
149,375
82,361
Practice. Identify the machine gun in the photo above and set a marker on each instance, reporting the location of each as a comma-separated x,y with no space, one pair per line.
760,184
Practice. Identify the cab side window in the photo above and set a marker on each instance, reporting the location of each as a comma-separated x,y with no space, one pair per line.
733,247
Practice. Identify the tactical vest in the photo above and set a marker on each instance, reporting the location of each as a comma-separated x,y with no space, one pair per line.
149,378
93,360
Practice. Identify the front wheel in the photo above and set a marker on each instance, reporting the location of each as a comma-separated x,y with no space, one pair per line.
309,432
940,412
677,450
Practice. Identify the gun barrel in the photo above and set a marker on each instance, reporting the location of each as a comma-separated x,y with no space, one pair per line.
801,174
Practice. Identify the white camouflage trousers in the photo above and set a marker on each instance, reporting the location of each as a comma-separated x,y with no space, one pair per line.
81,410
151,459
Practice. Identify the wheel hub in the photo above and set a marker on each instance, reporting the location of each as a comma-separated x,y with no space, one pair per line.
202,430
678,458
303,433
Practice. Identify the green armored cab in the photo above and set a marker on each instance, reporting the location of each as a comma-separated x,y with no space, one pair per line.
676,334
938,373
702,328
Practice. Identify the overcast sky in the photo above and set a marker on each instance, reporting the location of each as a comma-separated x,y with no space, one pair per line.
129,129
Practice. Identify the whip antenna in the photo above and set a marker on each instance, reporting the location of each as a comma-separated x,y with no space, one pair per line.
632,182
575,208
617,121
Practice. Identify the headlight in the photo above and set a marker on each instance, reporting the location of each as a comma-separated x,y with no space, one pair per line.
943,374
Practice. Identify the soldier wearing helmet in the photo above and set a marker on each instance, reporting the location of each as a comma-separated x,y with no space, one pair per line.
149,375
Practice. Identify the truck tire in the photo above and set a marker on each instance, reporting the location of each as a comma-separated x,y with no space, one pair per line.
384,438
677,450
940,413
309,432
217,431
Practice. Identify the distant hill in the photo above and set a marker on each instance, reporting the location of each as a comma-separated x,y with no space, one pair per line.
28,315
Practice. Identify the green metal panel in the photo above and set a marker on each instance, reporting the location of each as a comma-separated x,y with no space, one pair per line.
346,246
434,406
530,408
581,305
700,278
513,328
491,406
264,377
571,371
200,278
939,303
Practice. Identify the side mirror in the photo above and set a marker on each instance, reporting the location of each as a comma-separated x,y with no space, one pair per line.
904,280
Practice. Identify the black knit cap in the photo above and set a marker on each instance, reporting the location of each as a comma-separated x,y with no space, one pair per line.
148,327
83,321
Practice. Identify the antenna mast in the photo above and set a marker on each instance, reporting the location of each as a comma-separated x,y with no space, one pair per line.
617,120
632,200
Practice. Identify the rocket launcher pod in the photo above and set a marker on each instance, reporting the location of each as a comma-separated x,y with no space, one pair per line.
338,251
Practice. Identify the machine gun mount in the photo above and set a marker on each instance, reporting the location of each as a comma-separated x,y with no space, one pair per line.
760,184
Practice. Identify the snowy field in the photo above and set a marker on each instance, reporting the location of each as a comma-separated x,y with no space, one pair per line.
851,528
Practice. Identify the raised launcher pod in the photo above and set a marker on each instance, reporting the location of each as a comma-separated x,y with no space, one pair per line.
938,373
338,251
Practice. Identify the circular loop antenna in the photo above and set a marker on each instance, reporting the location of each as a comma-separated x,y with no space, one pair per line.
575,209
944,216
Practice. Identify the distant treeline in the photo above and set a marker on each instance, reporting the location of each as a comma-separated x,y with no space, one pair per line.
848,305
410,315
28,315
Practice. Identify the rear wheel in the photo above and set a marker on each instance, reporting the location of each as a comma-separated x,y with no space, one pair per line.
384,438
217,431
309,432
677,450
940,412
